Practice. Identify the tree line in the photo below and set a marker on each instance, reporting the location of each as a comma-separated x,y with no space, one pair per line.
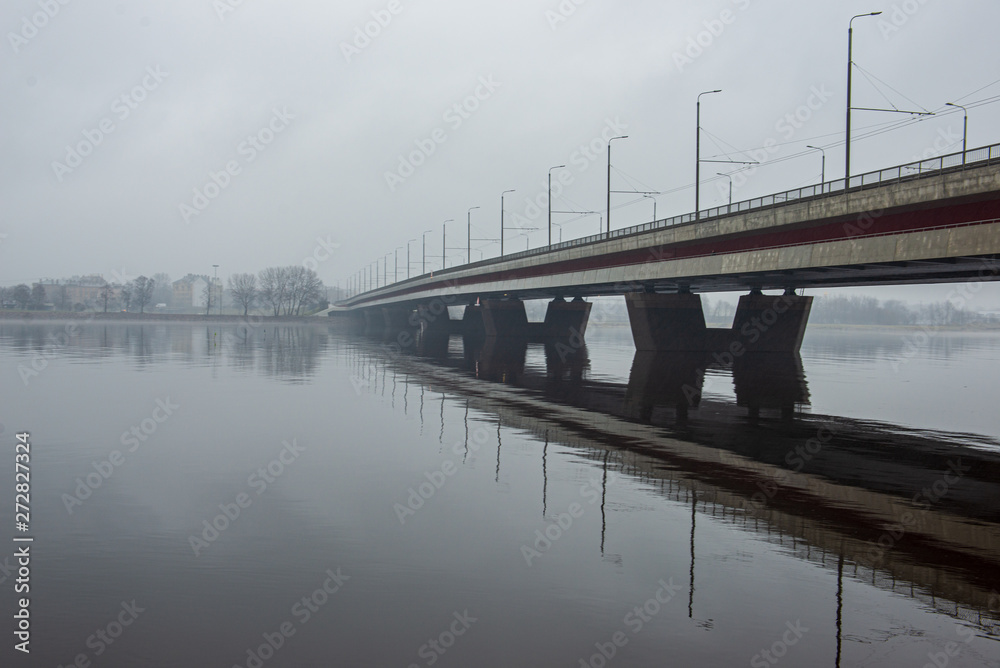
282,290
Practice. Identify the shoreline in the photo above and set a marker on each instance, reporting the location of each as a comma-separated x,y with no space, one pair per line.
56,316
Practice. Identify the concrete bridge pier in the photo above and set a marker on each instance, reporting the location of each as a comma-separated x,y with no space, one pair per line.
433,319
771,323
667,323
472,322
506,318
374,321
676,323
396,318
564,320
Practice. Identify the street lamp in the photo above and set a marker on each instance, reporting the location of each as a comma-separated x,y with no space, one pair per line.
395,267
654,205
965,128
501,218
444,246
609,181
423,260
468,231
730,187
550,200
385,269
215,282
850,69
408,257
697,148
822,178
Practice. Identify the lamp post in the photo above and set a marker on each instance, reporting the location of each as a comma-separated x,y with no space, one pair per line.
697,149
215,281
468,231
423,259
850,71
609,181
385,269
822,178
444,245
730,187
550,200
965,128
501,219
395,267
408,257
654,205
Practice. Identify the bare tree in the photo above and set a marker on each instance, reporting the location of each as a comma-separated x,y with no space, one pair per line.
21,295
142,291
126,296
37,296
274,288
243,287
209,294
305,287
106,294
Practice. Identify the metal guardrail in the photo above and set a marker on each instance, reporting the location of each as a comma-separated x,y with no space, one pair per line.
911,171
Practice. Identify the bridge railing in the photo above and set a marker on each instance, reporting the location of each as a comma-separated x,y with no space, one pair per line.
977,157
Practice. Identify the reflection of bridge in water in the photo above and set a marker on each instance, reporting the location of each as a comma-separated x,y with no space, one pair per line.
826,489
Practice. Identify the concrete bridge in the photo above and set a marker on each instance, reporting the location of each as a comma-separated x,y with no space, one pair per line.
932,221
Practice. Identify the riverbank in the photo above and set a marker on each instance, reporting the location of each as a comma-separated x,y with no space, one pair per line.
156,317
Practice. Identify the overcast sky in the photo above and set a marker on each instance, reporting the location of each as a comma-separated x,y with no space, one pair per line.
183,85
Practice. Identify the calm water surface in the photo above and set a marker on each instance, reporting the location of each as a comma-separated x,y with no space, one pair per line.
299,496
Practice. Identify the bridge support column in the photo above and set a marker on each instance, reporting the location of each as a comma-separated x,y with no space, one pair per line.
472,321
672,322
505,318
771,323
396,318
374,321
565,319
433,318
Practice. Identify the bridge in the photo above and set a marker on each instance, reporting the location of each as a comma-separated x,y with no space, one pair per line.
931,221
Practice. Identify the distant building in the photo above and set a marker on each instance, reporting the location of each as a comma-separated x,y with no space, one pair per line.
189,292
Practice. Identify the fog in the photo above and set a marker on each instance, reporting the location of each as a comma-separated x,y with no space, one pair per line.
170,136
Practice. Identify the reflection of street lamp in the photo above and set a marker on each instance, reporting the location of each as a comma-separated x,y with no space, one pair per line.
697,148
850,68
468,231
550,200
822,177
965,127
609,180
215,282
501,219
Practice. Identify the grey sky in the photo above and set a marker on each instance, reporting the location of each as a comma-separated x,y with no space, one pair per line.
546,89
